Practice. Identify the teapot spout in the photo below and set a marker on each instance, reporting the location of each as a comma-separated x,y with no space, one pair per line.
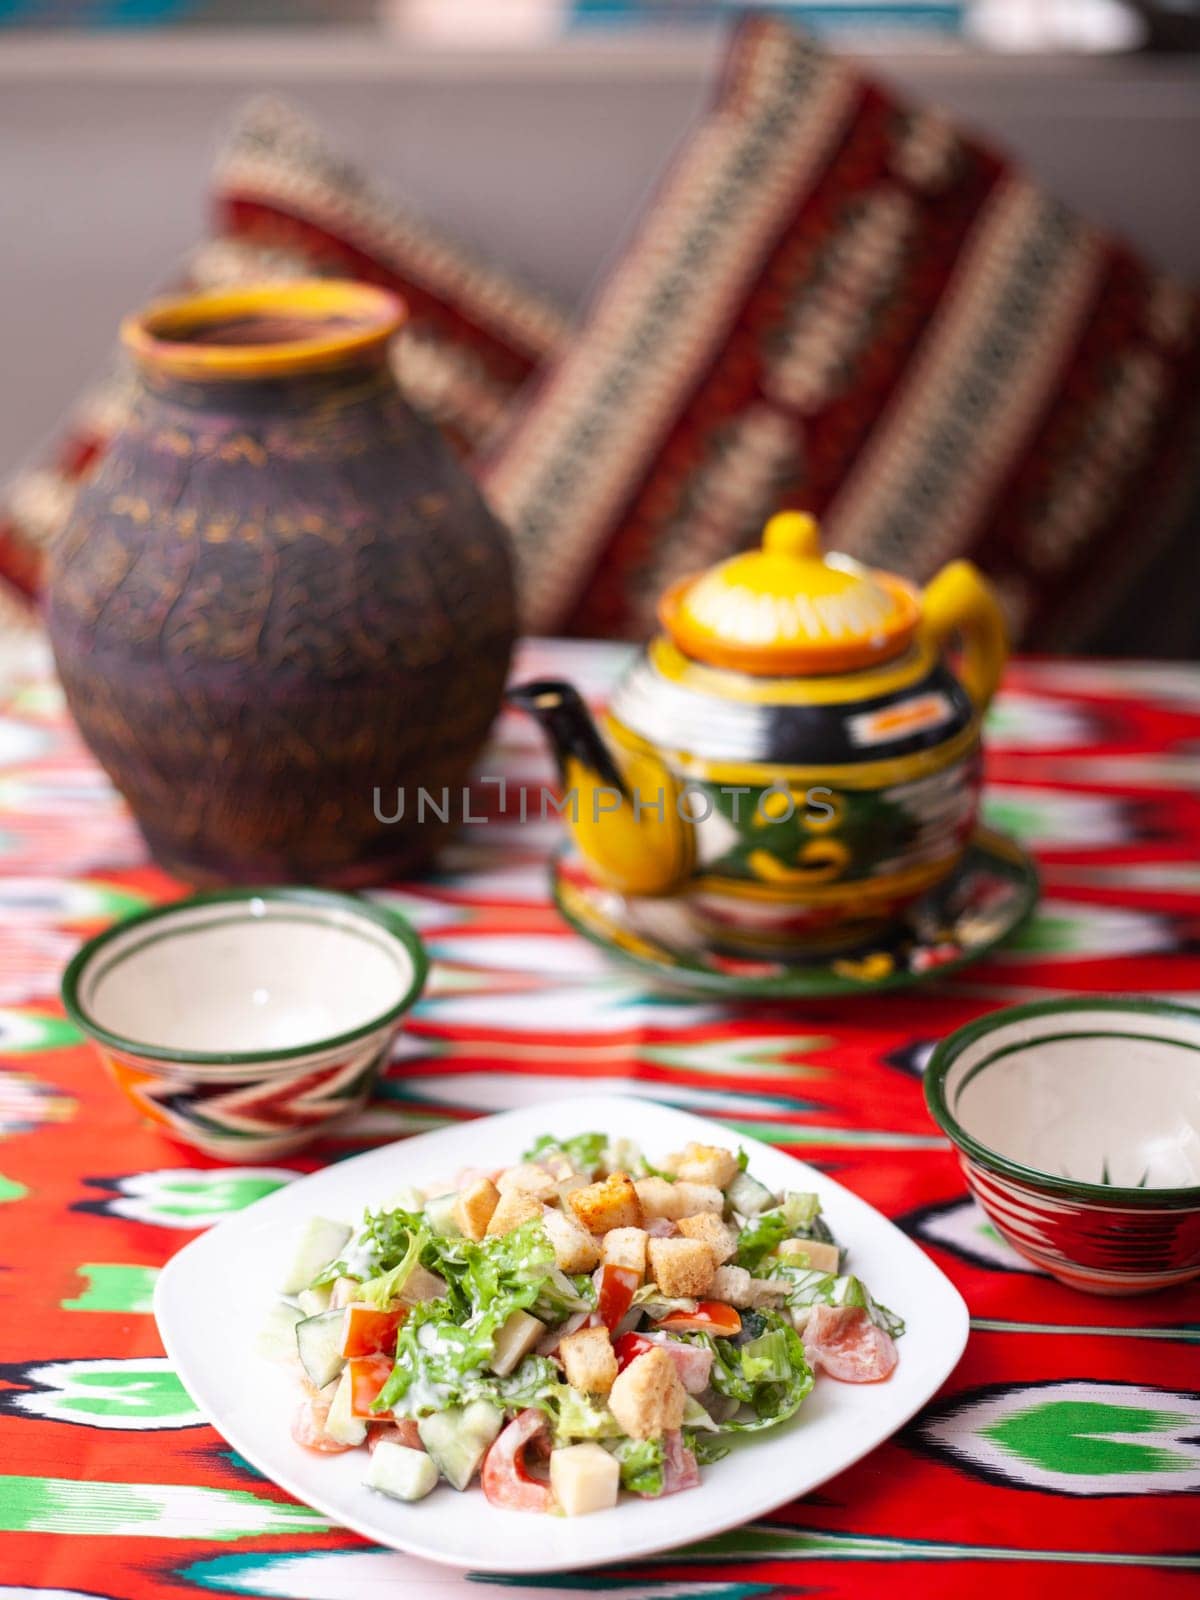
623,817
558,708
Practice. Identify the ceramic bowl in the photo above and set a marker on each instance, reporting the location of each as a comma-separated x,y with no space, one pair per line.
246,1022
1077,1123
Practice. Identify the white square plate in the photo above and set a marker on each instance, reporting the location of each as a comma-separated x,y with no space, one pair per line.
213,1297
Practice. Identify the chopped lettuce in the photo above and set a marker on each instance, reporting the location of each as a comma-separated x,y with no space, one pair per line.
695,1416
437,1358
382,1290
769,1375
797,1216
585,1151
705,1447
641,1462
535,1382
444,1345
807,1287
851,1291
759,1237
765,1359
578,1417
657,1305
560,1295
801,1210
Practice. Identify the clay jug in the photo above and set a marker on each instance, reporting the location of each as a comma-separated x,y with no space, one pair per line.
280,593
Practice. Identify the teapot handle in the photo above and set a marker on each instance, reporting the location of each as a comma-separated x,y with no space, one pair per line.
959,601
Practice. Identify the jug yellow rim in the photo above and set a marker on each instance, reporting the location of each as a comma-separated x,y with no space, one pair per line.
161,337
786,609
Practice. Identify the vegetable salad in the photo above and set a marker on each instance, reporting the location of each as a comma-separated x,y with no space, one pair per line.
581,1323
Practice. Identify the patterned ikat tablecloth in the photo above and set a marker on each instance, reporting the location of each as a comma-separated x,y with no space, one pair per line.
1059,1458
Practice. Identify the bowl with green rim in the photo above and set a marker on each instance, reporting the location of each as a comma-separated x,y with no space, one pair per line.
1077,1125
247,1022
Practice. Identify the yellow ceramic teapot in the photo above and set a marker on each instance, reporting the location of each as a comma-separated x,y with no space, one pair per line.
793,751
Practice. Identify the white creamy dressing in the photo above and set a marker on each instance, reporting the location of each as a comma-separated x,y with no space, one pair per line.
361,1258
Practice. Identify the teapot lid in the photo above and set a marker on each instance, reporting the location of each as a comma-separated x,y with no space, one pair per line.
788,609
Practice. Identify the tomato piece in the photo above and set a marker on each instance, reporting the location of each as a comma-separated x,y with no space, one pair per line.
308,1426
629,1347
710,1316
506,1480
847,1345
402,1430
367,1331
615,1291
368,1374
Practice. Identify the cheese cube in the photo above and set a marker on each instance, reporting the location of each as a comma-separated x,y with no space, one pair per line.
584,1477
514,1341
821,1257
574,1250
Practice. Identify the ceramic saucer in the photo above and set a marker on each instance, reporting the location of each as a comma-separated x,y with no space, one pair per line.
988,894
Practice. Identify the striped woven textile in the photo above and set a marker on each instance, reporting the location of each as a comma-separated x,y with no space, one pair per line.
842,303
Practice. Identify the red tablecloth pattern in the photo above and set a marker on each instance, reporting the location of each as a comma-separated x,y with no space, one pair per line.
1062,1457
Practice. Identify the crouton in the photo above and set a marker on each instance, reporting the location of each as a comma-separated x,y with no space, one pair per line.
736,1287
656,1196
661,1198
474,1207
648,1399
681,1266
707,1164
574,1250
607,1205
732,1285
821,1257
589,1360
694,1198
720,1238
512,1210
529,1178
625,1247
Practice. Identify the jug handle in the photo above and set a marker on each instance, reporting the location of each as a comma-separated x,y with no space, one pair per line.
958,601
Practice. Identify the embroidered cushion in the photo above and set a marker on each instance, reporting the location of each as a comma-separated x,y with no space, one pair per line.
840,303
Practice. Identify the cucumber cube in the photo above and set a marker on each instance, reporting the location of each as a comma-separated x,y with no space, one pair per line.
458,1439
514,1341
319,1343
321,1242
747,1196
401,1472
